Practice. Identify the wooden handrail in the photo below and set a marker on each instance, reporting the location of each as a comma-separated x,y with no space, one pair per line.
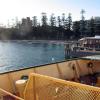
8,93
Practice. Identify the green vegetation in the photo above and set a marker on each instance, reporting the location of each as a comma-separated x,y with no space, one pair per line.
52,28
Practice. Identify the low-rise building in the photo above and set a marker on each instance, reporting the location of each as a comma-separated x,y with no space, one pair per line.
97,24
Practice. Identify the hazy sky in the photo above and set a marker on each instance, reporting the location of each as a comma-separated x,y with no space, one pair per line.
9,9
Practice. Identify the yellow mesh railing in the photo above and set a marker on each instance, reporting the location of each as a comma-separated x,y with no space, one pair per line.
40,87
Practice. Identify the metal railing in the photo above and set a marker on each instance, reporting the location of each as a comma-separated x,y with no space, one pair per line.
40,87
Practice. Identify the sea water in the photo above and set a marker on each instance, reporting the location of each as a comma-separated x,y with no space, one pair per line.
22,54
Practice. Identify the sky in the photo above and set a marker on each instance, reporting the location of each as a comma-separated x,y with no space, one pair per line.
9,9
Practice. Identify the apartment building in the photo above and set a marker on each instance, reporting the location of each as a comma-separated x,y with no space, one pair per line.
26,26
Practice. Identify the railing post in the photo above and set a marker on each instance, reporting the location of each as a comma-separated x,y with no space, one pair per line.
10,94
34,87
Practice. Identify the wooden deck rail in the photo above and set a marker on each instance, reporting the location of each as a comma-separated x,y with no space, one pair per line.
8,93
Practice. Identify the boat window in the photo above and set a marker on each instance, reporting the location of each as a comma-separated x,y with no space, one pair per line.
81,48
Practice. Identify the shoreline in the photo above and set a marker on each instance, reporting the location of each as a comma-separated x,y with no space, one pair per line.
43,41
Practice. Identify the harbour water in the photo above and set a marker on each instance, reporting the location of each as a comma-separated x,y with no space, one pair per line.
20,54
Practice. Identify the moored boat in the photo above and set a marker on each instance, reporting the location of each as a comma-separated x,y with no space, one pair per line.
86,46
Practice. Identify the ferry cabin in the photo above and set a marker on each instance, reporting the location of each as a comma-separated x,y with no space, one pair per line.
90,42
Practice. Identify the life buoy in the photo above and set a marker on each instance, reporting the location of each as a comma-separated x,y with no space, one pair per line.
90,65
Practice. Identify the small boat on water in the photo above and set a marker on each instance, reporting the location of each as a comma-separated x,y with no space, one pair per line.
73,79
86,46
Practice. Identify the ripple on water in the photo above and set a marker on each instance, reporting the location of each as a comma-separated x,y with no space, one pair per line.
20,54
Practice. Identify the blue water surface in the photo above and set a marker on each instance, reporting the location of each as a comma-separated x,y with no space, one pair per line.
21,54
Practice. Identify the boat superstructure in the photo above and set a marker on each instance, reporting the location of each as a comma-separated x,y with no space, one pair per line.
86,46
75,79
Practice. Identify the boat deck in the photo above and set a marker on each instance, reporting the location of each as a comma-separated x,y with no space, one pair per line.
68,80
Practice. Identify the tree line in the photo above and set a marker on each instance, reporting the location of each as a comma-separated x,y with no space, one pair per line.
53,28
58,28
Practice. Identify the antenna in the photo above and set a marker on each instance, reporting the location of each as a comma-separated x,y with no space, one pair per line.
8,23
82,23
82,12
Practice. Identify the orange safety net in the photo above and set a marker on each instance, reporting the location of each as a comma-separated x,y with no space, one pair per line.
40,87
